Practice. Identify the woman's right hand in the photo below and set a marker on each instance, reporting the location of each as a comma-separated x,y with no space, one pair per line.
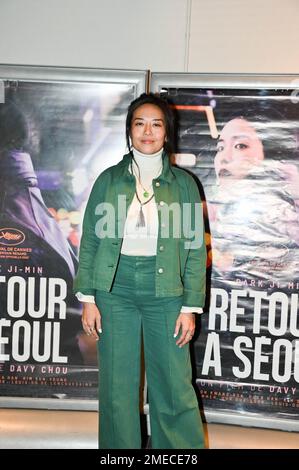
91,320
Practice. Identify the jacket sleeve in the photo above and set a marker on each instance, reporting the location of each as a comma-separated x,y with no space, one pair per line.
83,281
194,277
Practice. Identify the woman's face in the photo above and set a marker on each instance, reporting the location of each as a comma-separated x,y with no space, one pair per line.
239,149
148,131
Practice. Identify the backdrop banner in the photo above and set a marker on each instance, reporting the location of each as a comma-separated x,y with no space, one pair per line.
59,129
242,143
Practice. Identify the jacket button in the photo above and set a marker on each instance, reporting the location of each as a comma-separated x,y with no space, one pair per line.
157,184
160,270
161,248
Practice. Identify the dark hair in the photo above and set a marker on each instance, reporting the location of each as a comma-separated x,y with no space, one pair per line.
13,127
272,126
156,100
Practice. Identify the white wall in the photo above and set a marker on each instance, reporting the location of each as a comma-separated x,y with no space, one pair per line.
130,34
250,36
160,35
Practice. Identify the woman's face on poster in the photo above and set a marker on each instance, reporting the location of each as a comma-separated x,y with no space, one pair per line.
239,150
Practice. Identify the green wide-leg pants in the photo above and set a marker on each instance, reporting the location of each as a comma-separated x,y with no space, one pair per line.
129,310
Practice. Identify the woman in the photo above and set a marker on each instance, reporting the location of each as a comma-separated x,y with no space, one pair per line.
255,161
147,278
239,150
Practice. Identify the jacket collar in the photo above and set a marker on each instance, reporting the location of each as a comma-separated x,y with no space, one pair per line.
166,175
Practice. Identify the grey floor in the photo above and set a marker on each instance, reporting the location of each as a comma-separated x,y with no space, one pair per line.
49,429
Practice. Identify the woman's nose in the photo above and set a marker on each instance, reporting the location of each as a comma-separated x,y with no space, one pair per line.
226,155
147,129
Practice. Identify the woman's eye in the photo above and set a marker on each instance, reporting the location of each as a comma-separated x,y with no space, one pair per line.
138,123
157,124
241,146
220,148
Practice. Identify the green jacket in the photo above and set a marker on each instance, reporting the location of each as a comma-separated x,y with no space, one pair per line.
181,251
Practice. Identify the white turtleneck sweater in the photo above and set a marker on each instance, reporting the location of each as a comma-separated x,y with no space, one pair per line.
142,241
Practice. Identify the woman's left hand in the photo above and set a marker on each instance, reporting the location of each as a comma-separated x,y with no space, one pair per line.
186,321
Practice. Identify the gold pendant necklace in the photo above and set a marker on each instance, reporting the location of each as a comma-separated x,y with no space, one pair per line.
141,219
145,191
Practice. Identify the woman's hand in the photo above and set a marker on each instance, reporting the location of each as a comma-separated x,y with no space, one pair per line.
91,320
186,321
